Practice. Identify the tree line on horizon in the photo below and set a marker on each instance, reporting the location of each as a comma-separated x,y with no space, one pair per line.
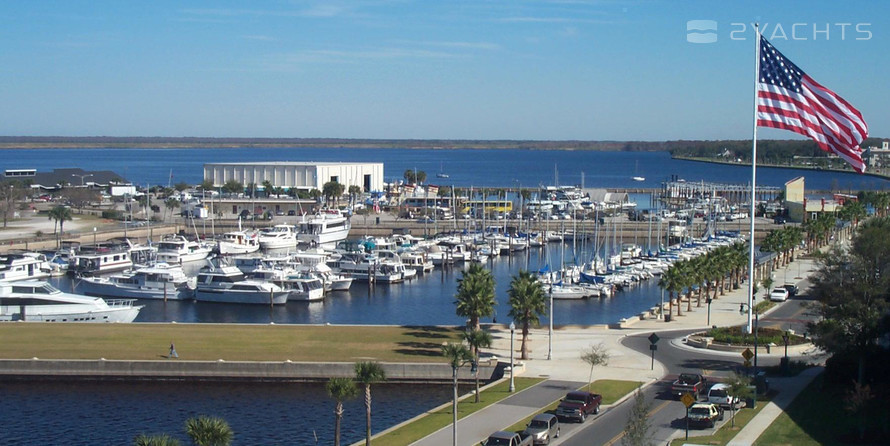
767,149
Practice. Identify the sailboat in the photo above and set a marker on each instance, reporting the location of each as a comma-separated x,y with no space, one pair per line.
441,173
637,177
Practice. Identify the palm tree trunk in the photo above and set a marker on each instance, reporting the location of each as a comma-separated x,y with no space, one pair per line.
368,414
338,415
524,348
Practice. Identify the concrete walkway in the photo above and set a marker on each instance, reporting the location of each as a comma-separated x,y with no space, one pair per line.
788,388
566,369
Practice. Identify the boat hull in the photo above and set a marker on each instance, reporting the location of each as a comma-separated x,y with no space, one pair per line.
100,286
234,297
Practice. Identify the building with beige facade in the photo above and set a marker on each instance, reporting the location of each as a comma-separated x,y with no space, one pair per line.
297,175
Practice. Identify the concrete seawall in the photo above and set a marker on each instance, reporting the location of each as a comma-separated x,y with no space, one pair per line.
180,370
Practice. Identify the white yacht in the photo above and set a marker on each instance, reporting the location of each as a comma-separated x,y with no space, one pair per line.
326,227
278,237
237,243
226,284
361,266
101,259
302,287
34,301
160,281
176,250
24,266
417,261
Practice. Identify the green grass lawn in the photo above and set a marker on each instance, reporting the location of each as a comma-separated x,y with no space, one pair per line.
209,342
434,421
817,417
726,433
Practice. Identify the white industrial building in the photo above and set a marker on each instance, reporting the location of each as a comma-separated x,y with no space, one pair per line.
299,175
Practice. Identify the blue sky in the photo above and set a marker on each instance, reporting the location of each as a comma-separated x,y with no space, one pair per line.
554,70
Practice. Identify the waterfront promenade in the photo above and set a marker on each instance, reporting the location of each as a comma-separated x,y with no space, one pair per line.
566,366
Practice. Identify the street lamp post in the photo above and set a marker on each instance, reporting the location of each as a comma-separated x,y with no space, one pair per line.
94,236
81,177
512,331
550,330
785,339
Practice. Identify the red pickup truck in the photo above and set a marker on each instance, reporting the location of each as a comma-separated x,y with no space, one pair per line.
688,383
578,405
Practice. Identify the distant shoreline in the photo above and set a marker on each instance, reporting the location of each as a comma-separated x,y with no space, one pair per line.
777,166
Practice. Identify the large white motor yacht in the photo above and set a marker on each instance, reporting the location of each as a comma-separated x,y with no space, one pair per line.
34,301
177,250
326,227
161,281
278,237
24,266
226,284
238,242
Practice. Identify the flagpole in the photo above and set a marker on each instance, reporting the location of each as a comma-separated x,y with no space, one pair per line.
748,327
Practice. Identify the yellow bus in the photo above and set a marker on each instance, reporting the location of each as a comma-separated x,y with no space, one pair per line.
476,207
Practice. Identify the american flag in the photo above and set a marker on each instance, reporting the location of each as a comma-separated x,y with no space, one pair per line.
789,99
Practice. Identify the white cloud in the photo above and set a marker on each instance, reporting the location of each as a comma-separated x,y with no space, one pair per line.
259,37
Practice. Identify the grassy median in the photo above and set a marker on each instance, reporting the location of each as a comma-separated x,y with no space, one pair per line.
727,432
209,342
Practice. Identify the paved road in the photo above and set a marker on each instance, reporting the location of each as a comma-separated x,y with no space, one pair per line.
667,414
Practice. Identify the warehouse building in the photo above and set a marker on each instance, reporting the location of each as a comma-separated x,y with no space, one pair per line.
298,175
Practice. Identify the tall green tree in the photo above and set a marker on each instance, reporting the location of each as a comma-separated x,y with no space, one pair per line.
527,304
332,191
207,185
10,191
475,294
852,288
368,373
59,215
209,431
638,428
340,389
354,192
233,187
477,339
268,187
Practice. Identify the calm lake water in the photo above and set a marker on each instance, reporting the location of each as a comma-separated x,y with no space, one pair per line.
488,168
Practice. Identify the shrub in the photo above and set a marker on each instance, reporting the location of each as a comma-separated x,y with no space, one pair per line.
736,335
111,214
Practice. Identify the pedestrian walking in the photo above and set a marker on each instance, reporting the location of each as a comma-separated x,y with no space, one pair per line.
173,351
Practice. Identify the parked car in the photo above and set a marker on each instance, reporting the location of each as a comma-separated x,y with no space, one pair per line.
543,428
291,213
688,383
792,289
778,295
505,438
780,220
719,395
425,220
578,405
705,414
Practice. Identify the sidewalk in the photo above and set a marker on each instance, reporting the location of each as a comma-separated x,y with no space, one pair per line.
566,369
789,389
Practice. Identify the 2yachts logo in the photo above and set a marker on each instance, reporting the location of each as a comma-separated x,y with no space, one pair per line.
705,31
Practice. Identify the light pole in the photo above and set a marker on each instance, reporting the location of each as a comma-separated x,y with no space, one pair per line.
550,330
785,338
94,236
512,330
81,177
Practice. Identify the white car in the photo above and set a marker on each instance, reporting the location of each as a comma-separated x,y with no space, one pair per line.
719,395
778,295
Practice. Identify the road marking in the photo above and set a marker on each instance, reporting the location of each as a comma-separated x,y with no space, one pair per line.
618,437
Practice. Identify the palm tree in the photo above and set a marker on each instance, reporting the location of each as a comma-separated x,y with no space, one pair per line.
477,339
207,185
340,389
527,303
60,214
209,431
155,440
332,190
354,191
475,294
368,373
670,281
457,355
170,204
268,187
